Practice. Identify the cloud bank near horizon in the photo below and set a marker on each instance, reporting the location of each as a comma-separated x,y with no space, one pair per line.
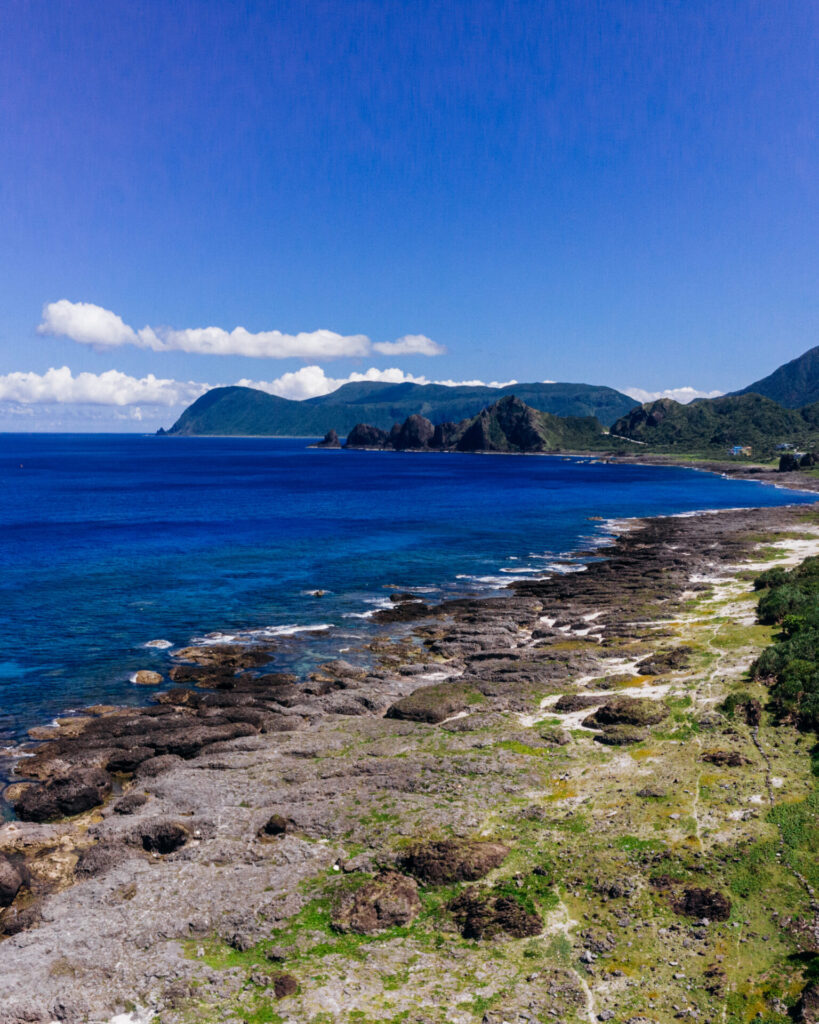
682,395
59,386
102,329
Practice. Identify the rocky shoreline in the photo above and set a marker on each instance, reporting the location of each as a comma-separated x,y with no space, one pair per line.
479,810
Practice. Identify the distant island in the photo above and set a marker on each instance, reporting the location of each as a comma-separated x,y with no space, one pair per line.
240,411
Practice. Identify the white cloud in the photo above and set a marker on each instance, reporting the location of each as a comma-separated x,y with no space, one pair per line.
682,395
476,383
86,323
93,325
61,387
312,381
410,345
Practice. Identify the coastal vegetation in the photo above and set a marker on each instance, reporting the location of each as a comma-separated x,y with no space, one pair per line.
714,426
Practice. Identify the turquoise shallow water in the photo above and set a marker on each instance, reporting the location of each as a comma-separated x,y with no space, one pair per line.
109,542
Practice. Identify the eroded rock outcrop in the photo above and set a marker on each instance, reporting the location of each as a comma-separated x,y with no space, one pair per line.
453,860
388,901
330,440
484,914
636,711
364,436
70,792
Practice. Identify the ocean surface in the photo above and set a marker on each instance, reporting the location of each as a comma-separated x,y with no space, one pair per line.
112,542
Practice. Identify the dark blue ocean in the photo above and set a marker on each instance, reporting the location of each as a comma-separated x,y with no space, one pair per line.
111,542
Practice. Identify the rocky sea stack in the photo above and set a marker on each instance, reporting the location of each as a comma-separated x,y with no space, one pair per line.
507,426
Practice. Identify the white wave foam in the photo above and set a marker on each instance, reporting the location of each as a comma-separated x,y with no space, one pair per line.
498,581
263,633
159,645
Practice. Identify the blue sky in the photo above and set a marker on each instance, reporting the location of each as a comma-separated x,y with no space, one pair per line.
612,192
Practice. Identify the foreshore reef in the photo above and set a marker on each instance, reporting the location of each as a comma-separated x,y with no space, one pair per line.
565,803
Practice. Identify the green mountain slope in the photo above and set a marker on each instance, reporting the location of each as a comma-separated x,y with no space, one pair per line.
793,385
238,410
718,423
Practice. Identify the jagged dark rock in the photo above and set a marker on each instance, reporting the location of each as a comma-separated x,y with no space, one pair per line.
364,436
415,432
508,425
330,440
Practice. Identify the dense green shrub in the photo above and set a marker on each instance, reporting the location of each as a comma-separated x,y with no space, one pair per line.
791,664
770,578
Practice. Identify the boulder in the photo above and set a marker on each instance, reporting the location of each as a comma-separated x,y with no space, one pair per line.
483,915
162,835
285,985
11,881
674,660
388,901
725,758
364,436
71,792
621,735
703,903
628,711
577,702
430,703
130,803
453,860
145,677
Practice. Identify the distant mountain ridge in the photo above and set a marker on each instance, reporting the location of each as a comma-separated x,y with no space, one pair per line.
794,384
248,411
